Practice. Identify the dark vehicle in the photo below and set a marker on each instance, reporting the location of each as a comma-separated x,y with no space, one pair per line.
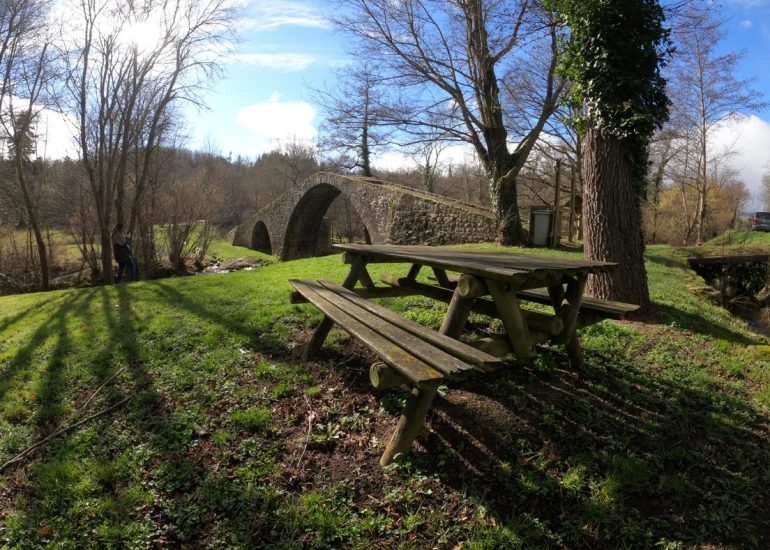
760,221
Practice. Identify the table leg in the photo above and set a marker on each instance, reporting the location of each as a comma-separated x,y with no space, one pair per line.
357,267
413,416
569,314
413,272
456,315
513,320
410,423
441,278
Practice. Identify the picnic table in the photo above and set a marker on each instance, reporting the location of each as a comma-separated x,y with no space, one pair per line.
493,284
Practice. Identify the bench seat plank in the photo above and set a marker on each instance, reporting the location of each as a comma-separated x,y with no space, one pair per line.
410,366
440,360
466,353
604,308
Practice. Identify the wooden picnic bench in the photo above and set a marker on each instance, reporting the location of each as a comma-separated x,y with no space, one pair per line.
489,283
412,353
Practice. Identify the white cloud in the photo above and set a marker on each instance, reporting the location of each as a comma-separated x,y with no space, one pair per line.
283,61
275,121
54,131
750,137
398,160
746,24
272,14
55,137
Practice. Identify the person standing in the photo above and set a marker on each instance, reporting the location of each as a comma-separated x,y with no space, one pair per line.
121,250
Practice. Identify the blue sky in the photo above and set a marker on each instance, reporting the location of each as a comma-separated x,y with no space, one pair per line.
286,44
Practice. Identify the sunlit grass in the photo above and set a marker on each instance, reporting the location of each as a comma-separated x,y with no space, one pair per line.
661,441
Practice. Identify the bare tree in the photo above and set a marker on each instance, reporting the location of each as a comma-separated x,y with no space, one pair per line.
445,59
122,91
357,114
427,156
706,93
25,64
766,190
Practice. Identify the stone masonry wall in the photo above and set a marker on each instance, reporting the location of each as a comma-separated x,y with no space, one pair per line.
392,214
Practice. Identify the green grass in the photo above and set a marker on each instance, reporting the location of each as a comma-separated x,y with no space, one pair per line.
230,440
738,241
225,252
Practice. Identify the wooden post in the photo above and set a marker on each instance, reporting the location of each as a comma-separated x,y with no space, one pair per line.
414,270
410,423
513,320
413,416
573,182
556,226
569,313
456,315
441,277
471,287
574,351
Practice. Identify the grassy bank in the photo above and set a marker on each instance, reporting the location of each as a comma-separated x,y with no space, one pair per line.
229,440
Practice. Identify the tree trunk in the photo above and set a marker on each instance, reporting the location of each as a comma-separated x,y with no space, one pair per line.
613,230
505,205
106,241
702,206
31,215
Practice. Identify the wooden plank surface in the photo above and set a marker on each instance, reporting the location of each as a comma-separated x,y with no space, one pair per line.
728,259
467,353
503,266
436,358
610,309
411,367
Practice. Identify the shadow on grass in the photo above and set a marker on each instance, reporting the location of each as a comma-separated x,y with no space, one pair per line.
664,260
611,458
83,459
263,342
9,321
53,326
698,323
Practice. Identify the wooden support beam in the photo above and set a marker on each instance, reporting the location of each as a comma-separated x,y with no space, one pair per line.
471,287
549,324
441,277
569,312
383,376
456,315
410,423
500,346
414,270
365,279
575,353
513,320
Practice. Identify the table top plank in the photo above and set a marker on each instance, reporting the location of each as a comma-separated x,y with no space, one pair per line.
485,264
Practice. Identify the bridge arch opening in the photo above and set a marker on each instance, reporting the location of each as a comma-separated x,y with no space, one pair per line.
315,221
260,238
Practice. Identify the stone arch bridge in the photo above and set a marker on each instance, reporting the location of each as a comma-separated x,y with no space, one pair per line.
293,227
